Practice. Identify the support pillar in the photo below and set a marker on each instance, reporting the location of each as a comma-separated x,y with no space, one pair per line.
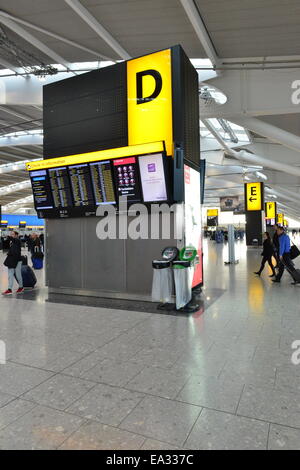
255,215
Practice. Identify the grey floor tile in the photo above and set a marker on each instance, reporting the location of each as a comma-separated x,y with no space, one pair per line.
17,379
14,410
158,357
216,430
5,398
41,428
96,436
283,438
157,418
212,393
248,372
43,357
113,372
160,382
109,405
200,363
59,392
277,406
286,380
85,364
151,444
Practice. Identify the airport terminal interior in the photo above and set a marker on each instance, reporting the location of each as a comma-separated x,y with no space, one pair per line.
149,163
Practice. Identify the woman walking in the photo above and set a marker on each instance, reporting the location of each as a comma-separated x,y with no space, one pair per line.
268,252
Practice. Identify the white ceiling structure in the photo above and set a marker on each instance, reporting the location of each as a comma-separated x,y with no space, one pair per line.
248,82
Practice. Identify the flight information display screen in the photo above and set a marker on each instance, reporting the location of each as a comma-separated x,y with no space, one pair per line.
77,190
60,187
81,185
102,182
41,190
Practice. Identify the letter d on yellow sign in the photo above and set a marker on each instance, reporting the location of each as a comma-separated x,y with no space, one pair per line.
149,95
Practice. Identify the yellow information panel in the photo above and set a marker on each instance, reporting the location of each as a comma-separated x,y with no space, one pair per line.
254,196
285,223
280,218
212,212
270,208
149,95
100,155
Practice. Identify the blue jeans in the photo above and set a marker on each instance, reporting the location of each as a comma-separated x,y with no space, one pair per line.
11,275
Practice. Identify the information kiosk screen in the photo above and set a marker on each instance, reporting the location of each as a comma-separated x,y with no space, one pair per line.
153,178
127,180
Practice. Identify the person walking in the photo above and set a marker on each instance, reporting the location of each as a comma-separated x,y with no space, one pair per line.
276,246
284,255
13,262
268,252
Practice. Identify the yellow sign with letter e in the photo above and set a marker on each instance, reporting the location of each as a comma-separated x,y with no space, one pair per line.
254,196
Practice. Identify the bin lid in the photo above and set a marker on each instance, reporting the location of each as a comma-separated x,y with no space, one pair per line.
188,253
161,264
170,253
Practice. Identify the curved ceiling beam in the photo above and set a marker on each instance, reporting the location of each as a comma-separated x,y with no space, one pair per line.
54,35
269,131
98,28
25,35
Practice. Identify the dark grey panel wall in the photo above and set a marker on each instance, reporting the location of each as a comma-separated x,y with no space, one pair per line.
77,259
64,240
87,112
103,261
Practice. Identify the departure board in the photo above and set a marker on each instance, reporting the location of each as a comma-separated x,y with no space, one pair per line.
81,185
76,190
102,182
41,190
60,187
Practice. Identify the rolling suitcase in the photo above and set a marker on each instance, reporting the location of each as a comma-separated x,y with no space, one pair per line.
295,273
28,276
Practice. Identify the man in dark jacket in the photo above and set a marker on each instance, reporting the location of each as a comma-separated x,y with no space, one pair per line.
276,245
14,264
284,255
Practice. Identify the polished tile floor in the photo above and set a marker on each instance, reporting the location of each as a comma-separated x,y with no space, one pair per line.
83,377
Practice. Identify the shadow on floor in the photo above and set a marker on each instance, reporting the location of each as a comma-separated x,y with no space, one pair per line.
203,300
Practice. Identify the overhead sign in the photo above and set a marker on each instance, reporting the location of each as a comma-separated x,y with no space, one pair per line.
149,96
212,212
280,219
254,196
285,223
270,210
154,147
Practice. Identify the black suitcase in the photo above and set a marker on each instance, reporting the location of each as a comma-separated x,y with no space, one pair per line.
295,273
24,260
28,276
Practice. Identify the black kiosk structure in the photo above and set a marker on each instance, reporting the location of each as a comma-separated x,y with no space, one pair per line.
127,130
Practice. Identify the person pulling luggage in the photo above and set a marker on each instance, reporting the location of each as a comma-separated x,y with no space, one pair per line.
276,246
284,257
268,252
13,262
